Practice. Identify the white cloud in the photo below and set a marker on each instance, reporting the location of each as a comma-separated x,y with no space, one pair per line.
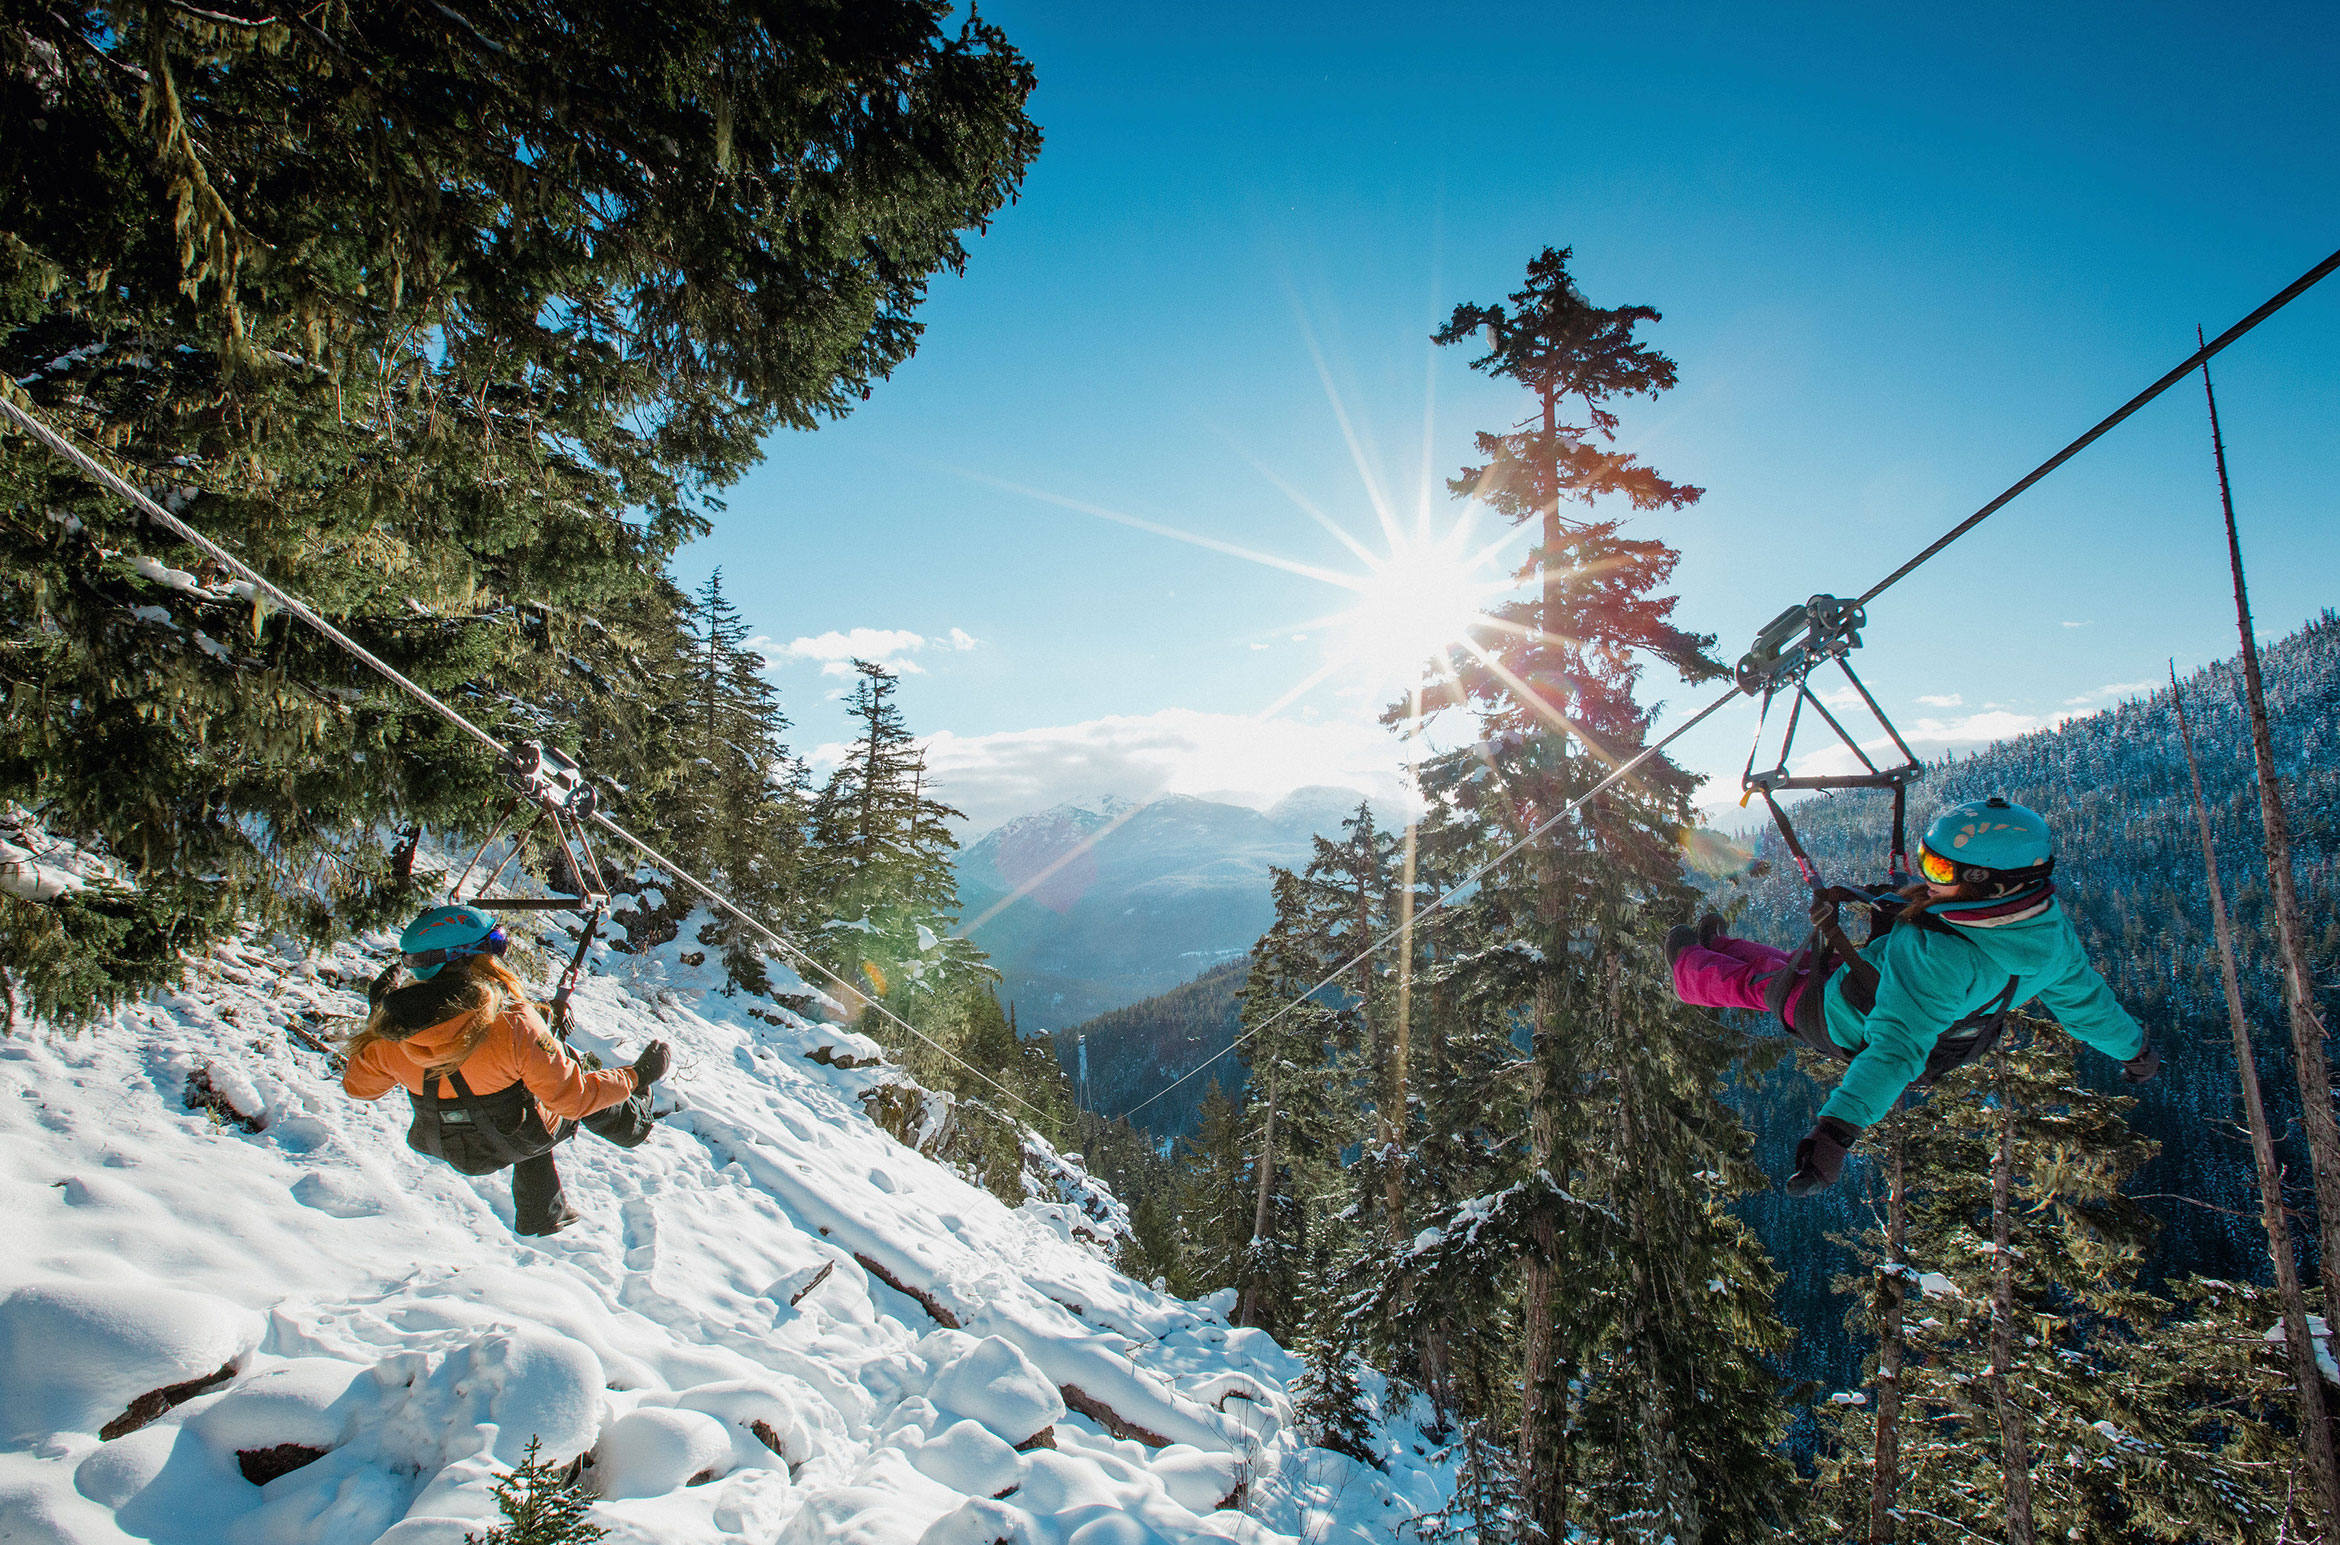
836,651
2090,623
1943,700
1230,757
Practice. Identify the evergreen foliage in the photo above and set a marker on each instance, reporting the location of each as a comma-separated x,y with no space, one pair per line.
1176,1029
1328,1400
541,1506
2137,1416
880,862
454,321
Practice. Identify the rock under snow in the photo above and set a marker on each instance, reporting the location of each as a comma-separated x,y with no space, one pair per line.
968,1457
650,1453
77,1354
996,1384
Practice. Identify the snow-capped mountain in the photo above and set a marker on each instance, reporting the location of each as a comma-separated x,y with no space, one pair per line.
1113,902
236,1308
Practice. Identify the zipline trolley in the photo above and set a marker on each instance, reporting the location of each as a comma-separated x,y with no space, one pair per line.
550,781
1780,663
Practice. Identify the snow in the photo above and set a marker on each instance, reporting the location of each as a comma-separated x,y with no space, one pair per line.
2319,1333
126,1341
651,1452
717,1338
996,1384
27,879
163,574
1934,1285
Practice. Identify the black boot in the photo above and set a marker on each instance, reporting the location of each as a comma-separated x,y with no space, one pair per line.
1679,938
1710,928
538,1207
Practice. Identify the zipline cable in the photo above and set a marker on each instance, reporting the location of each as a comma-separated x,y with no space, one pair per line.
1464,884
155,512
2276,303
2282,298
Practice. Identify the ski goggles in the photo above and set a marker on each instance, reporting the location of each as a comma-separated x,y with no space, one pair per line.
495,943
1935,867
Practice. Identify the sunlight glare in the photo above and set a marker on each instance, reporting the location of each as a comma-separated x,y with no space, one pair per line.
1414,605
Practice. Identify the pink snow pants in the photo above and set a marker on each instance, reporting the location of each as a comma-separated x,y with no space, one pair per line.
1732,975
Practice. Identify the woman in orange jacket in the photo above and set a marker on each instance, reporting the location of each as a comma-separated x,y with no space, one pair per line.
491,1088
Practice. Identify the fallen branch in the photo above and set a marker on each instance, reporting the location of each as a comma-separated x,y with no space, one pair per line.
927,1301
1106,1417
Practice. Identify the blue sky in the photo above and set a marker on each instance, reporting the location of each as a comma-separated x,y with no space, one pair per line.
1902,256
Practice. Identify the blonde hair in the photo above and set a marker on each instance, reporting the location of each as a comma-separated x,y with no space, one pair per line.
495,991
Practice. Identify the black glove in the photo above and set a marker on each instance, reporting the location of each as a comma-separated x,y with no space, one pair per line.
651,1066
1820,1156
2141,1068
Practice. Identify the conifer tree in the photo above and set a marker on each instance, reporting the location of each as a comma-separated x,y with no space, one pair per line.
1353,888
1214,1201
1288,1098
2044,1393
453,324
1328,1400
541,1506
745,812
881,861
1658,1416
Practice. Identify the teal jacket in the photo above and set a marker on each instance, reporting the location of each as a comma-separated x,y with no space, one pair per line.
1930,980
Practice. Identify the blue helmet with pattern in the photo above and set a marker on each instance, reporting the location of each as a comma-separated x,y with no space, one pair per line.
449,933
1992,843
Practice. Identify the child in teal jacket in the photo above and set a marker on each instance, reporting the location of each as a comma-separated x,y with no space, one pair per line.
1988,934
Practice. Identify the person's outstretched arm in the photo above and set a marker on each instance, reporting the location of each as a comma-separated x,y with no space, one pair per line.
2085,1006
562,1085
363,1076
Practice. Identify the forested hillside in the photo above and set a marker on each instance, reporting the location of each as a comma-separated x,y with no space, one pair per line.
1135,1050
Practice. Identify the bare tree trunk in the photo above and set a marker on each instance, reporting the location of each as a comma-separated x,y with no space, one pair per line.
1393,1175
2314,1420
1254,1280
1543,1490
2014,1443
1892,1289
2307,1030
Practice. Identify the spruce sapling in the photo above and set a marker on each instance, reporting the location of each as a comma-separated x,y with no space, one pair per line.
541,1506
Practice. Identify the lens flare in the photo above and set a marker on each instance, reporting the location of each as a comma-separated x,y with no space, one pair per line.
1413,606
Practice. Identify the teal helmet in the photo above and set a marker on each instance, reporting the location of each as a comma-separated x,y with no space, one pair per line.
449,933
1992,843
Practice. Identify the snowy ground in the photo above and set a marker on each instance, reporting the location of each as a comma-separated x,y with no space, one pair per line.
717,1335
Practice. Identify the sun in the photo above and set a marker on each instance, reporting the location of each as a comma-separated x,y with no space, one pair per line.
1414,604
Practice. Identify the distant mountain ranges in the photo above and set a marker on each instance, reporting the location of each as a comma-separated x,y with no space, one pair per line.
1160,894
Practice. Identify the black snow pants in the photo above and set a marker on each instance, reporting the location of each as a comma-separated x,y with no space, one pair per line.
480,1134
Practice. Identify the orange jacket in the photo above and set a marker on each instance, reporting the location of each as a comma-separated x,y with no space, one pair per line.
517,1050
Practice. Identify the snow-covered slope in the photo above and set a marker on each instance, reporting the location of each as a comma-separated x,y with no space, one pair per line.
774,1323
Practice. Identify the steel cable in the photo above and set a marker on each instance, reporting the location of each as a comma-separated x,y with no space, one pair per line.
145,505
